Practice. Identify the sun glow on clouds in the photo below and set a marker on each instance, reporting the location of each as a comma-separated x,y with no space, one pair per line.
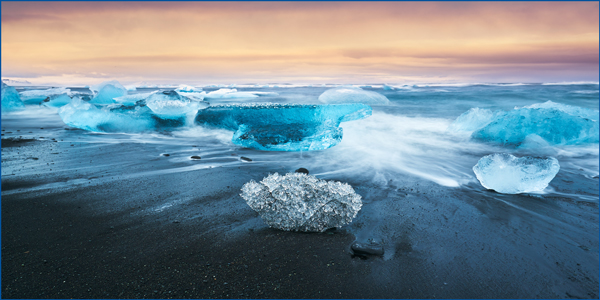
224,42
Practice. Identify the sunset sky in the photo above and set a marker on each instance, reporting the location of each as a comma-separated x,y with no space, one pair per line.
299,42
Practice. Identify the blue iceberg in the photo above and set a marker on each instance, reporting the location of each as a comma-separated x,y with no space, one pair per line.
508,174
283,127
57,100
351,94
10,99
555,123
37,96
106,91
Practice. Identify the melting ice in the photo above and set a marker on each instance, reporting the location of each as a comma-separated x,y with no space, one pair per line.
508,174
301,202
37,96
283,127
556,123
351,94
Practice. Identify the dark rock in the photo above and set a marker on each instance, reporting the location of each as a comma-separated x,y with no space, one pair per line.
302,170
596,177
367,249
195,157
243,158
166,154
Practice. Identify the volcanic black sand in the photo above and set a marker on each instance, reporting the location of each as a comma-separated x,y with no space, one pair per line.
122,220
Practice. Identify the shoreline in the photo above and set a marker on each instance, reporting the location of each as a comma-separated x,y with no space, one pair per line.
89,228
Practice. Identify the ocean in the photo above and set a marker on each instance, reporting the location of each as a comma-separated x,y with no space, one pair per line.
421,198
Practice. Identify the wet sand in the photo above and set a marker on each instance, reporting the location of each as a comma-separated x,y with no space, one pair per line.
98,220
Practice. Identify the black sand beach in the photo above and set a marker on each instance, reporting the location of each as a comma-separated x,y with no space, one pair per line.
117,220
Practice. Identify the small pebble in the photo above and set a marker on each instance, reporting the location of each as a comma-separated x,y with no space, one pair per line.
195,157
364,249
243,158
166,154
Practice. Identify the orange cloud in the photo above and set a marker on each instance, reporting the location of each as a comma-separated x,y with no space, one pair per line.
299,41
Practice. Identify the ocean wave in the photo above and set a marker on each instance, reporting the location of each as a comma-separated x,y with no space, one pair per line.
572,83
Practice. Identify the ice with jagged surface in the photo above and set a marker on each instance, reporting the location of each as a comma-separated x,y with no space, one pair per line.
352,94
171,105
115,118
301,202
508,174
10,99
557,124
283,127
106,91
37,96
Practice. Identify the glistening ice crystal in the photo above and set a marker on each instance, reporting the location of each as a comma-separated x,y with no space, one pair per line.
301,202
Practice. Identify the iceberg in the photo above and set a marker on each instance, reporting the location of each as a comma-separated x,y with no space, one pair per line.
508,174
283,127
556,123
10,99
301,202
37,96
114,118
106,91
171,105
388,87
351,94
57,100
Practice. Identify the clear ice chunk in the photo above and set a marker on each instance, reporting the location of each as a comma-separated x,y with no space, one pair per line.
508,174
283,127
37,96
171,105
114,118
352,94
301,202
10,99
556,123
106,91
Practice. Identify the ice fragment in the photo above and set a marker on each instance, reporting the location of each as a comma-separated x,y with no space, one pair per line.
301,202
351,94
508,174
